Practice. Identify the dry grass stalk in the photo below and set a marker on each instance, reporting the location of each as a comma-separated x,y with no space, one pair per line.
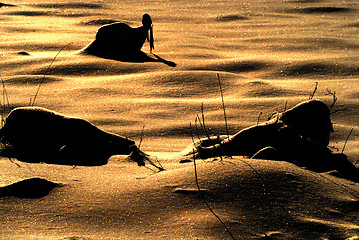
314,91
206,131
335,98
203,122
140,157
224,108
197,131
6,103
346,140
201,192
139,144
43,77
259,116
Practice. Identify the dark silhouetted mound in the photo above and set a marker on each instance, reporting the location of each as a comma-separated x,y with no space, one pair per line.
118,41
234,66
31,80
262,89
73,5
319,69
99,22
299,135
304,1
356,24
29,188
86,69
231,17
6,5
30,13
24,53
34,135
322,10
190,191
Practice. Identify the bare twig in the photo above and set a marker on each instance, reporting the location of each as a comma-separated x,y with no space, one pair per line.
146,156
259,116
329,92
139,144
140,157
346,140
5,97
224,109
197,132
203,122
150,169
14,162
339,110
5,101
314,91
161,167
198,119
190,130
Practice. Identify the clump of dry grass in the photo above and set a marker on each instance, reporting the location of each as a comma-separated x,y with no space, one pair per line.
5,105
202,194
141,157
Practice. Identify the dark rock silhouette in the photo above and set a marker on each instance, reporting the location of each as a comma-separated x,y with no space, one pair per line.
29,188
24,53
6,5
119,38
119,41
320,10
299,135
34,135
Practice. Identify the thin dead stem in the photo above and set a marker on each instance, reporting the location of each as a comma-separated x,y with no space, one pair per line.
259,116
202,193
139,144
314,91
43,77
346,140
6,102
5,96
150,169
146,157
224,108
197,132
335,98
203,122
14,162
339,110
